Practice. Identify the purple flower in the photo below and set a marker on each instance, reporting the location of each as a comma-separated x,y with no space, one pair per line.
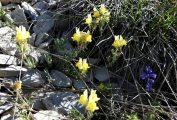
149,84
149,76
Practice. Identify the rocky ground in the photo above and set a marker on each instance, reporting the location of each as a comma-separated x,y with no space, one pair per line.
45,21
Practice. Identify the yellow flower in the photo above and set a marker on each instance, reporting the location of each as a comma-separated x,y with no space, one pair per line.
91,106
22,35
86,37
119,42
77,36
82,65
82,37
90,103
93,96
84,98
96,13
88,20
17,86
101,86
103,10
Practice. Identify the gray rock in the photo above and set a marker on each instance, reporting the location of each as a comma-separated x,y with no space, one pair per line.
18,1
93,61
4,98
89,76
32,78
7,45
11,70
9,48
19,16
40,6
63,102
37,55
60,79
29,10
49,115
9,117
46,43
10,6
5,30
52,4
101,73
79,84
37,104
67,49
32,39
8,81
44,23
8,60
40,38
5,107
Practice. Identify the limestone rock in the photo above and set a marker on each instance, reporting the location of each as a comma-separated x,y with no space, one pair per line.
19,16
45,22
46,43
29,10
49,115
63,102
37,104
12,70
40,6
32,78
4,98
5,107
9,117
40,38
79,84
32,39
101,74
8,60
60,79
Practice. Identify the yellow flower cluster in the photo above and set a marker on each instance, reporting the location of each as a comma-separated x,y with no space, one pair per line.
102,13
82,66
119,42
16,86
82,38
89,103
101,16
21,36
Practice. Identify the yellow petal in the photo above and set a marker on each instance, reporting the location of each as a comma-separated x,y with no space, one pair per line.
77,36
96,14
91,106
84,98
103,10
85,65
79,64
88,20
119,41
93,96
21,34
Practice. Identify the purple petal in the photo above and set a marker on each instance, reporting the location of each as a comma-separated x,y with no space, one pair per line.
149,84
152,75
144,75
148,69
151,81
